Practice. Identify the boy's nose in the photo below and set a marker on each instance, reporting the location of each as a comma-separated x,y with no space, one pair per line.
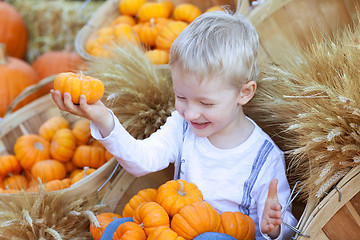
191,113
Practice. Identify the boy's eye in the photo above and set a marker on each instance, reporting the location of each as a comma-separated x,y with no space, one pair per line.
207,104
179,97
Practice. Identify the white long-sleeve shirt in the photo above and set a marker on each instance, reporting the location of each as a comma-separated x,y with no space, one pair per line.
234,179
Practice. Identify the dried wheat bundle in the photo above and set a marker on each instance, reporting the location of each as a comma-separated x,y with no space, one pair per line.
140,95
41,216
53,25
313,102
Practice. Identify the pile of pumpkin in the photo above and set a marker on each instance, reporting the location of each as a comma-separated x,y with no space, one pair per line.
58,156
151,25
174,211
16,72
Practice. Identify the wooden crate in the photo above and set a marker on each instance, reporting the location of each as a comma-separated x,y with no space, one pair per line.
282,24
109,11
337,216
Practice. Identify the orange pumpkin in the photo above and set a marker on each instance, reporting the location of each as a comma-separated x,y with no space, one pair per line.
48,129
124,33
78,84
148,31
82,174
194,219
98,226
16,182
129,231
130,7
123,19
164,233
151,215
157,56
57,184
15,76
186,12
81,131
48,170
89,156
13,32
174,195
169,33
152,10
30,149
238,225
69,166
63,145
96,41
145,195
9,164
215,8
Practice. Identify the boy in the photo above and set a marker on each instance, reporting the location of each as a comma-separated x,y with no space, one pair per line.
211,141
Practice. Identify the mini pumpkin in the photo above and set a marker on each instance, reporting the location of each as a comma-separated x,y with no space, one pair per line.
81,174
152,10
79,84
157,56
57,184
148,31
130,7
169,33
63,145
89,156
98,225
48,170
174,195
9,164
48,129
164,233
129,231
145,195
194,219
81,131
238,225
151,215
30,149
16,182
186,12
123,19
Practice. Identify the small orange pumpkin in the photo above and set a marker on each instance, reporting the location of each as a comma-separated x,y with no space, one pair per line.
186,12
152,10
81,131
63,145
48,129
82,174
157,56
194,219
98,226
129,231
30,149
16,182
151,215
148,31
57,184
174,195
89,156
79,84
169,33
124,33
238,225
164,233
48,170
123,19
9,164
130,7
145,195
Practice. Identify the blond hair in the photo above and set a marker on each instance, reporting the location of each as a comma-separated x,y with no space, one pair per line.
219,44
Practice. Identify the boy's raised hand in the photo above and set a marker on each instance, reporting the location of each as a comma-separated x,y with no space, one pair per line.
270,224
96,112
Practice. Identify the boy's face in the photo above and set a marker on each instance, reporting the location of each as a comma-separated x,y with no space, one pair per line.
211,106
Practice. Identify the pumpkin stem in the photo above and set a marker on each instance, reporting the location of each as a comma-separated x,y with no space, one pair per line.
152,22
85,171
81,75
182,190
3,57
141,225
39,146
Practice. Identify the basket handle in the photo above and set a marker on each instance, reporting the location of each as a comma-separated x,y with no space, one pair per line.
27,92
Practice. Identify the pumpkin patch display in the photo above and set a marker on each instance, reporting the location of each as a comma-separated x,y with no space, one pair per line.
79,84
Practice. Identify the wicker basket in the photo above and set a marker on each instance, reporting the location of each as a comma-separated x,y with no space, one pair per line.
109,11
285,23
110,184
337,216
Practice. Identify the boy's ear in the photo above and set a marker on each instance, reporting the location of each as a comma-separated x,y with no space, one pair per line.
247,92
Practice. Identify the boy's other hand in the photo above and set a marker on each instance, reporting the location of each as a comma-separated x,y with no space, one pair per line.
270,224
